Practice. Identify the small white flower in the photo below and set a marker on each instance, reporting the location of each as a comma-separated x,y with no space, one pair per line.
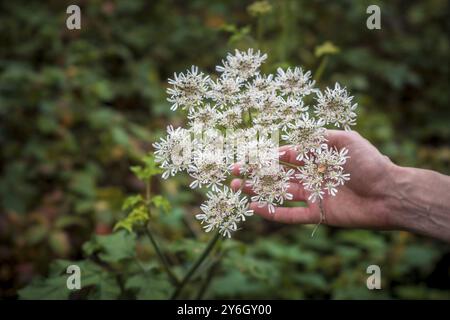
209,169
294,82
173,151
231,118
248,100
261,86
335,106
289,111
224,210
254,153
188,90
271,185
203,118
269,103
323,171
305,135
225,91
242,64
265,122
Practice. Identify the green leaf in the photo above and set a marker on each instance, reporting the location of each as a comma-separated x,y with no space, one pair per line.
112,248
161,203
137,217
235,283
107,288
148,170
149,286
55,286
312,280
131,201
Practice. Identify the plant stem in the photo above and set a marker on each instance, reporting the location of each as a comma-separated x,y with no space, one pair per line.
288,164
195,266
208,279
148,190
161,257
321,68
322,217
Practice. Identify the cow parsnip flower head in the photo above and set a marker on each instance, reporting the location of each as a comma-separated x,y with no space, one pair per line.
188,89
224,210
242,65
241,115
169,151
323,171
305,134
271,186
335,106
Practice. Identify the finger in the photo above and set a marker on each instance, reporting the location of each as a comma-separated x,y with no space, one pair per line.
288,154
340,138
286,215
236,169
236,185
296,189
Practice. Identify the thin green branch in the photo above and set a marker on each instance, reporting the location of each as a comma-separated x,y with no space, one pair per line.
322,217
195,266
321,69
209,276
288,164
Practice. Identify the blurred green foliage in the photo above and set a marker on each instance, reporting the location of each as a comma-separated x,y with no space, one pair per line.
77,108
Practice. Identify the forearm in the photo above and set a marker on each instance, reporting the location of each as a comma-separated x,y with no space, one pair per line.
421,202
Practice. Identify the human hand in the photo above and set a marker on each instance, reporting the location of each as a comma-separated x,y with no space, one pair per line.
362,202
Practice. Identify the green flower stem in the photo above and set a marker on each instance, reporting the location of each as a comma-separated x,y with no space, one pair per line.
209,276
322,217
195,266
321,68
284,163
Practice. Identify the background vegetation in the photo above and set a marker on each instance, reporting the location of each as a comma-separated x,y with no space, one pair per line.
78,108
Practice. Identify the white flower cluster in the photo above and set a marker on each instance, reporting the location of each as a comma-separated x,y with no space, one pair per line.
224,210
250,106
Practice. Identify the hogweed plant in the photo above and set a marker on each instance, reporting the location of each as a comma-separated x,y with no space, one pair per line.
242,116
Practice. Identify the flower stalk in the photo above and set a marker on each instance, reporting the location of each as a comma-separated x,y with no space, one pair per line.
322,217
195,266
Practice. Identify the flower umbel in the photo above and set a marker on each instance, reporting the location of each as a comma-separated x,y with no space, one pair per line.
323,171
188,89
335,106
254,111
224,210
